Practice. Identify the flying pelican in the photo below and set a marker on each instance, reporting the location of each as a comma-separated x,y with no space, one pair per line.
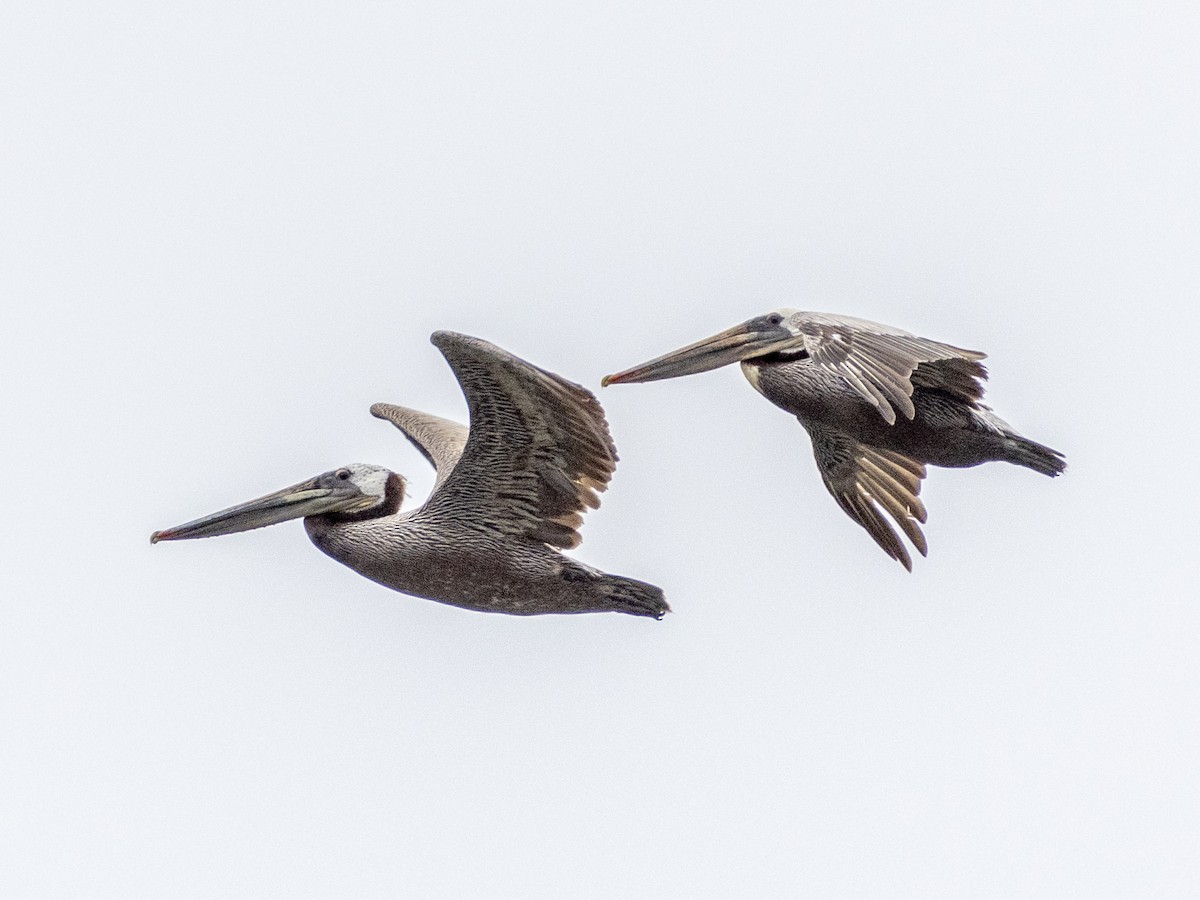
878,403
508,492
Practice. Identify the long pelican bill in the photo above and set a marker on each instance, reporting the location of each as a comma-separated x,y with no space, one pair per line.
305,499
756,337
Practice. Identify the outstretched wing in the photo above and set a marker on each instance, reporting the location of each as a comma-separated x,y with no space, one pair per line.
878,361
439,440
538,453
870,481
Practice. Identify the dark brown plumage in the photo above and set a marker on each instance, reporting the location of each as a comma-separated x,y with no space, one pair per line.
509,491
879,404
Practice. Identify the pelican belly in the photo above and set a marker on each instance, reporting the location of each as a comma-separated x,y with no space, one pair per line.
471,569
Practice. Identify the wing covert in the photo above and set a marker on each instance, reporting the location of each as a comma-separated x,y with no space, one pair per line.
878,361
538,453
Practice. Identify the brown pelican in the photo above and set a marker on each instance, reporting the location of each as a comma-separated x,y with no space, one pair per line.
508,492
879,405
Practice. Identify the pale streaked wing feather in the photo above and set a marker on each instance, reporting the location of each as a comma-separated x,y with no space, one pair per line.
870,481
440,441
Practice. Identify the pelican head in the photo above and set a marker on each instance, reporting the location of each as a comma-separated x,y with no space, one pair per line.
759,336
351,492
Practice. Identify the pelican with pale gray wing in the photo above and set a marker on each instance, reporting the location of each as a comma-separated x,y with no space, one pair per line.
879,403
510,492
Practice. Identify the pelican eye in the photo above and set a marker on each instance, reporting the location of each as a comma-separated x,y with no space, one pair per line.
343,475
774,319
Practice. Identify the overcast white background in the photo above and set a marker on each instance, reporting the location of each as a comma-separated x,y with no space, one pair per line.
227,228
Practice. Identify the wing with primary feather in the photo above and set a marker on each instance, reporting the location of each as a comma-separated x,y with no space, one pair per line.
869,481
538,453
440,441
878,361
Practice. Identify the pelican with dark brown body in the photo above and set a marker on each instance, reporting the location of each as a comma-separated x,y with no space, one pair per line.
509,492
878,403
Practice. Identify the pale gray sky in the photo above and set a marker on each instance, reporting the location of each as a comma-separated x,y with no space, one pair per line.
227,228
